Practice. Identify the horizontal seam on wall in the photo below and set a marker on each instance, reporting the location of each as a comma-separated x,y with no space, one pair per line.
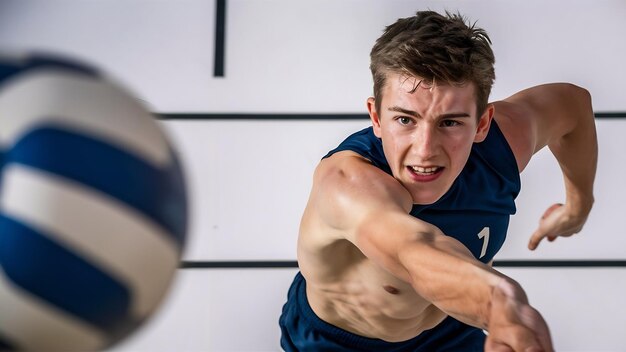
306,116
278,264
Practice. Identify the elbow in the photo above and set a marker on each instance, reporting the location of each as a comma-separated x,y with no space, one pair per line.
577,108
577,89
581,96
584,96
584,108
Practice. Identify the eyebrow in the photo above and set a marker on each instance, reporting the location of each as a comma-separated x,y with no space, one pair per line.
415,114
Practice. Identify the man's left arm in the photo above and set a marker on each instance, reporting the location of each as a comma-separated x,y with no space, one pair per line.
559,116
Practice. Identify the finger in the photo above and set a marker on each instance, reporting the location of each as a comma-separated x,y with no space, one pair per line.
545,340
544,229
525,340
533,319
540,234
494,346
542,332
534,349
535,239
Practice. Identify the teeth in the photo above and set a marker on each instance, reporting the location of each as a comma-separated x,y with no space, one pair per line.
424,170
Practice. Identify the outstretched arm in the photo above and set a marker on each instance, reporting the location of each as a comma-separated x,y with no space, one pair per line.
371,210
559,116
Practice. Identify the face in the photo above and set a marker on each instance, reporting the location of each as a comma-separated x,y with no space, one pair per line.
427,134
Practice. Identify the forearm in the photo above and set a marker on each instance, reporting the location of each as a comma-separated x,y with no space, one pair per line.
577,154
445,273
438,267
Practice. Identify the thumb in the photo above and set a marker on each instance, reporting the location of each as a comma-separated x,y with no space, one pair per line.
536,238
543,230
494,346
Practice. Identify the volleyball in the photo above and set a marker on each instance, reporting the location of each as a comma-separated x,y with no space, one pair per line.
93,207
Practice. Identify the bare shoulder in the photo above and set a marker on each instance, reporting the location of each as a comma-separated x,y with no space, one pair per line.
528,117
346,187
514,122
549,96
348,194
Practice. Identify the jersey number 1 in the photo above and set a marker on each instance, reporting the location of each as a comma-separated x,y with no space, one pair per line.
484,235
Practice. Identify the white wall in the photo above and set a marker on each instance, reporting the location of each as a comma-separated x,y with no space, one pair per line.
304,56
208,310
312,57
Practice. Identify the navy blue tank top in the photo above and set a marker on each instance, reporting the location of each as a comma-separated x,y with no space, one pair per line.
477,207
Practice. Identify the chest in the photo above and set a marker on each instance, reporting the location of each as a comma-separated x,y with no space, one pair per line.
483,233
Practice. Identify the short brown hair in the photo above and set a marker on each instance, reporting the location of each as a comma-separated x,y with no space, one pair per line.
435,48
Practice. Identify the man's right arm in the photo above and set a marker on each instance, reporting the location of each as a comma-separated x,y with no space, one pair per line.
371,209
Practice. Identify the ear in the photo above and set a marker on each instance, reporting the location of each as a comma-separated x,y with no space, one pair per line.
371,108
484,123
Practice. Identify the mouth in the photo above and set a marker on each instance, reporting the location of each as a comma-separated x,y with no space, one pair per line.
425,173
425,170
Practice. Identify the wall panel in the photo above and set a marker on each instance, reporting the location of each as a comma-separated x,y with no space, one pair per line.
293,56
250,181
237,310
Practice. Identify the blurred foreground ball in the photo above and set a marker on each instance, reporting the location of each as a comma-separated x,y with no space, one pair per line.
92,208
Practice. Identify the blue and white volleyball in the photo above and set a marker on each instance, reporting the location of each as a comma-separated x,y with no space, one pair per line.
93,209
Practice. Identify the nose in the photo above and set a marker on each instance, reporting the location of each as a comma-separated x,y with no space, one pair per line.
425,143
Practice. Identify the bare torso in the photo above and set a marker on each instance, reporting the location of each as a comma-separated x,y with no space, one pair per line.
354,204
348,290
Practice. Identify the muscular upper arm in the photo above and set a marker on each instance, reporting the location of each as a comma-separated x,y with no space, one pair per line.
367,207
371,209
347,187
538,116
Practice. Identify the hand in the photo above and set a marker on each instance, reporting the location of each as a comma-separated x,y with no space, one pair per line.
515,326
558,220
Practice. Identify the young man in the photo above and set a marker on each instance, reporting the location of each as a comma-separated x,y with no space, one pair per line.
404,217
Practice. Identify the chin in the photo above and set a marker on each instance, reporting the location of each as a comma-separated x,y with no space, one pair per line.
425,200
423,195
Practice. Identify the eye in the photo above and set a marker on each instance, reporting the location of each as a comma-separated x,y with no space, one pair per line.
404,120
450,123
